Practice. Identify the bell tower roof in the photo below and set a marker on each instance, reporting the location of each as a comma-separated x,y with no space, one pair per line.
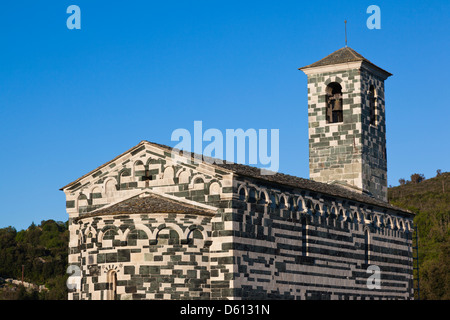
343,55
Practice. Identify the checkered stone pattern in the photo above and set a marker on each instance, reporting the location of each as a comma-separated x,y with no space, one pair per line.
148,167
267,237
373,139
158,256
351,151
301,245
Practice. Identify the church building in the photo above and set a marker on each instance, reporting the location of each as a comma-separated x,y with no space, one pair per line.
145,226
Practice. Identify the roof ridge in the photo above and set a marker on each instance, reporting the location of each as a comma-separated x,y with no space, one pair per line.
278,178
165,204
353,52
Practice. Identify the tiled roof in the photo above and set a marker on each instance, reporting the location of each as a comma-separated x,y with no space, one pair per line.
342,55
301,183
281,179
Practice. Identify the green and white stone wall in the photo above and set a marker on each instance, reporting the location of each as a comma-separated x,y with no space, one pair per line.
297,244
197,184
264,240
351,151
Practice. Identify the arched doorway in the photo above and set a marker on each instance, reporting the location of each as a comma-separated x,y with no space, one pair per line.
112,285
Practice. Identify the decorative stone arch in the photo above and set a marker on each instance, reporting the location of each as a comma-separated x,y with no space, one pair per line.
96,188
172,233
408,226
151,161
169,173
197,181
111,293
140,227
198,178
215,187
274,200
138,170
82,202
354,215
341,216
401,224
325,209
395,223
389,222
378,220
108,228
90,233
348,214
109,186
334,212
95,193
183,176
155,163
338,80
242,192
367,215
317,211
283,201
196,235
309,206
252,194
358,216
291,203
80,238
301,207
263,197
334,100
121,177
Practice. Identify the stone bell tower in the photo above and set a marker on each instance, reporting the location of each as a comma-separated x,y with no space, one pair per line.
346,120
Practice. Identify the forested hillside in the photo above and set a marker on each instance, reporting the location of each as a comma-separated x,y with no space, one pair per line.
430,200
42,251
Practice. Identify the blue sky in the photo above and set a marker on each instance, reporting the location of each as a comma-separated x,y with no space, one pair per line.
71,100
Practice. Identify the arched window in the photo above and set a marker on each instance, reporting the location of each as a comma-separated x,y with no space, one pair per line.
110,187
372,106
273,201
334,103
282,203
325,210
108,238
139,170
112,285
183,177
82,203
309,207
198,180
262,198
252,195
291,204
195,237
242,194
